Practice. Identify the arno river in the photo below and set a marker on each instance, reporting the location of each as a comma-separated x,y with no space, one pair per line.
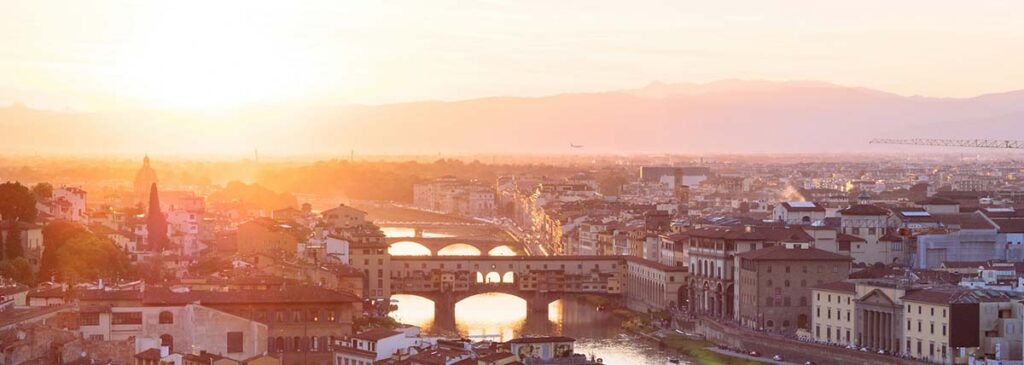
501,317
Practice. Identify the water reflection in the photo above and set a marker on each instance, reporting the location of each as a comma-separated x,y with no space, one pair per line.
410,232
459,249
501,251
408,248
502,317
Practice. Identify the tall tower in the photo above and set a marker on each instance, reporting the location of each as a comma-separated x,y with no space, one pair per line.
144,179
156,223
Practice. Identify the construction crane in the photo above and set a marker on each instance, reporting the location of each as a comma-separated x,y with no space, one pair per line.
978,143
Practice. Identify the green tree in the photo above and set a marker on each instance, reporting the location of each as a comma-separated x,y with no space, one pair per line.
12,244
42,191
55,236
209,264
17,202
87,257
18,269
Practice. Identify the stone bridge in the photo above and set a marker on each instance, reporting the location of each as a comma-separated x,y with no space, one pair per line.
445,298
539,280
436,244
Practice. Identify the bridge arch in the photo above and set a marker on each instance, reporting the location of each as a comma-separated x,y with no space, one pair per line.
408,248
503,250
459,249
495,277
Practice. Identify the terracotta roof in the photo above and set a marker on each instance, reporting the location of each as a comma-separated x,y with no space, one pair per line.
864,209
782,253
964,220
355,351
496,356
890,237
843,237
959,295
376,334
1009,225
838,286
101,294
542,339
963,264
151,354
760,233
810,207
287,295
936,200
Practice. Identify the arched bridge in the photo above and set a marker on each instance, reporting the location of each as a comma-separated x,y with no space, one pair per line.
445,298
436,244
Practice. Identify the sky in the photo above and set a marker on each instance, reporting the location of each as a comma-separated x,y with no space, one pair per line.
113,55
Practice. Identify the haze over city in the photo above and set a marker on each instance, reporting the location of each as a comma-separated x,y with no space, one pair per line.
486,182
326,78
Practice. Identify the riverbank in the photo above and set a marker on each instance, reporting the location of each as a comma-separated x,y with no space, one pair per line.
693,350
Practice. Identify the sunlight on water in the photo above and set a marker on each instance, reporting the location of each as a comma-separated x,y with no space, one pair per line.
501,251
490,314
459,249
409,232
414,310
505,317
408,248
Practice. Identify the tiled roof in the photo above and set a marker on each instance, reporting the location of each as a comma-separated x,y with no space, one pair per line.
864,209
376,334
936,200
1009,225
838,286
288,295
782,253
761,233
151,354
964,220
957,295
843,237
542,339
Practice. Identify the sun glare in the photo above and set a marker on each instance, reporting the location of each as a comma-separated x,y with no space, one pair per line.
218,58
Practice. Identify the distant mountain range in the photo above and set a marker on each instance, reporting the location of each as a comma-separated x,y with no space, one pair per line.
732,116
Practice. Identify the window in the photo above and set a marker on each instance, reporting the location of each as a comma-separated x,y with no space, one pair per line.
166,317
126,318
89,319
234,342
768,301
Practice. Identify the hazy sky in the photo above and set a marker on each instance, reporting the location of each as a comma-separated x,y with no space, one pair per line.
107,54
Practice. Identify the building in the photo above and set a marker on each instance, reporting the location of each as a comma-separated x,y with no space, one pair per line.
542,348
67,203
268,235
871,223
797,212
183,328
711,253
450,195
935,323
144,178
299,319
343,216
773,284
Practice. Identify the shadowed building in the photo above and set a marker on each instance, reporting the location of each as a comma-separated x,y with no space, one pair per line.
773,285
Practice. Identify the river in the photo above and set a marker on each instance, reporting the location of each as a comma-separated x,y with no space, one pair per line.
502,317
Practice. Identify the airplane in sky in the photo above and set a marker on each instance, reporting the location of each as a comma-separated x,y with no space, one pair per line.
575,145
